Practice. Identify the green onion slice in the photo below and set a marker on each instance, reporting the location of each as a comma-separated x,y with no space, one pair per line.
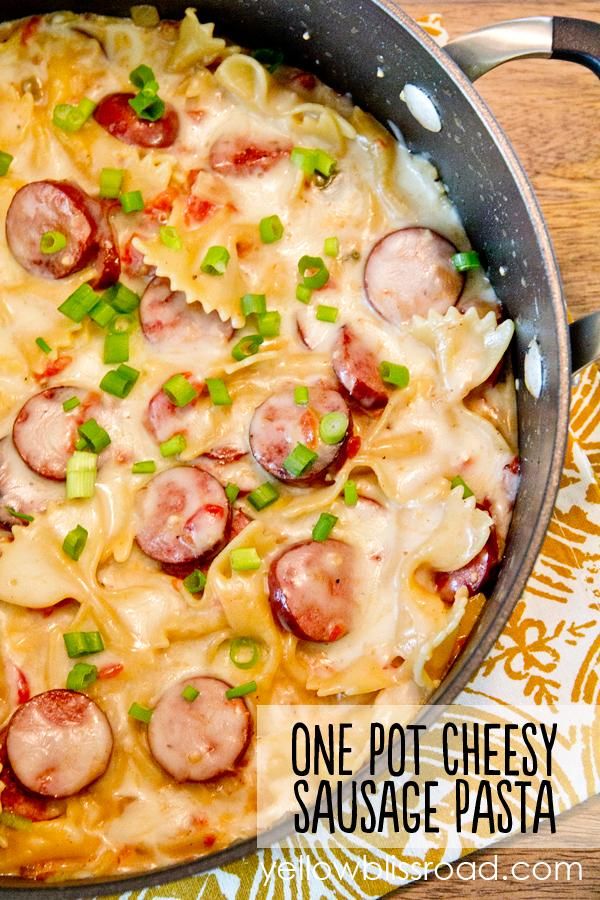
299,460
116,348
269,323
173,446
333,427
270,229
219,394
122,323
190,693
102,314
96,437
179,390
231,492
121,298
75,541
462,262
144,467
5,161
71,118
195,582
350,493
170,237
247,346
71,403
132,201
110,183
393,373
145,16
81,676
143,79
323,527
244,559
139,712
457,481
303,293
52,242
18,515
327,313
301,395
215,261
15,821
316,266
331,247
263,495
81,475
253,303
43,345
241,690
82,643
79,303
119,382
244,652
313,161
147,106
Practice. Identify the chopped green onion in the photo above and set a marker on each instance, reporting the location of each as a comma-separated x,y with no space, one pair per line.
216,260
141,713
43,345
81,676
218,391
145,16
331,247
238,652
79,303
144,467
147,106
52,242
457,481
333,427
269,323
15,821
121,298
253,303
190,693
462,262
170,238
122,323
5,161
320,275
269,58
323,527
241,690
119,382
179,390
247,346
18,515
82,643
110,183
263,496
81,444
95,435
313,161
244,559
299,460
327,313
303,293
195,582
71,118
173,446
143,79
81,474
102,314
231,492
132,201
270,229
75,541
71,403
86,107
350,493
393,373
116,348
301,395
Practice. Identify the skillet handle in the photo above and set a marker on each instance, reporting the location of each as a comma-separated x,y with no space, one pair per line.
549,37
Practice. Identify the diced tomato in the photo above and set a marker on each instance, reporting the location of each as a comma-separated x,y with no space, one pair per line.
29,29
23,689
110,671
54,368
209,840
305,80
161,207
353,446
213,510
197,209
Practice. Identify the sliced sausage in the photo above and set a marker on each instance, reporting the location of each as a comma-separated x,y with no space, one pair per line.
357,371
108,262
58,743
22,489
240,155
200,739
410,272
164,418
279,424
474,575
183,516
17,800
45,435
167,318
311,590
51,206
117,117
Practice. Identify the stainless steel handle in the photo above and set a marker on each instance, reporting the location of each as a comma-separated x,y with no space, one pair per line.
549,37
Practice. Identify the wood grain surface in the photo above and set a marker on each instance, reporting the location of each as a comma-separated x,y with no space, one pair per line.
551,112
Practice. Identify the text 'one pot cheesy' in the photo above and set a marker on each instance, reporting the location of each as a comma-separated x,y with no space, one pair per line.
258,439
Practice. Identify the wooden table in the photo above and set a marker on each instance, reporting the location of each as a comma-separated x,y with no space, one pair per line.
551,112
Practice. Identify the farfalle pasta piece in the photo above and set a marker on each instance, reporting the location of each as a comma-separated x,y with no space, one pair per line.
245,78
196,44
312,121
467,348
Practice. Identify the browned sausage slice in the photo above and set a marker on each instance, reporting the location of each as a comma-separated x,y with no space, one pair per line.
17,800
311,589
45,435
51,206
200,739
167,318
117,117
22,489
280,424
409,272
165,419
240,155
474,576
108,261
356,368
183,516
58,743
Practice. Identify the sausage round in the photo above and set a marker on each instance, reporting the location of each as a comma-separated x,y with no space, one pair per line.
200,739
240,155
116,116
167,318
58,743
183,516
356,369
21,489
279,424
474,575
311,590
17,800
108,261
51,206
45,435
409,272
164,418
